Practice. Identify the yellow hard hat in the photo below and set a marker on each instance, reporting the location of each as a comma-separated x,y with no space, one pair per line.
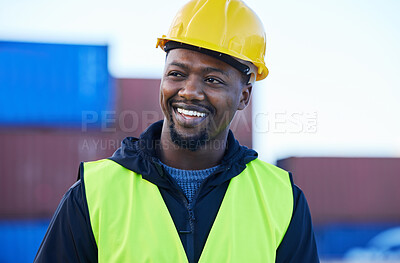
226,26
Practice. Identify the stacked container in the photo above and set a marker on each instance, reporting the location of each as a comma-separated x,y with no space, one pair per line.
51,98
352,200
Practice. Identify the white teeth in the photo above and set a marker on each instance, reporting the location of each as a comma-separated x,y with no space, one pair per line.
191,113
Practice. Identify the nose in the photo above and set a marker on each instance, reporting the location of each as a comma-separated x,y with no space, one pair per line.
192,90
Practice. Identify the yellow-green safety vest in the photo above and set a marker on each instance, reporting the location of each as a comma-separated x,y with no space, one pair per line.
131,222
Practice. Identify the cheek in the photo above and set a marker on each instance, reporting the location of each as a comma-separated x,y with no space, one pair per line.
226,109
167,92
229,103
163,97
162,100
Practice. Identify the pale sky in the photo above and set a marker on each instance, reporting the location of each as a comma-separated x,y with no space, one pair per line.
333,88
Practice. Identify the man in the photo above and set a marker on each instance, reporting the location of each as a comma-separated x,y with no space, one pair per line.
186,191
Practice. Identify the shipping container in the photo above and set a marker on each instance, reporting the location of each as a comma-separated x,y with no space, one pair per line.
139,106
20,239
348,189
38,166
45,84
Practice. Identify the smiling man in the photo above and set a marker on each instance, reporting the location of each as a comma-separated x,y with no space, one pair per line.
199,97
186,191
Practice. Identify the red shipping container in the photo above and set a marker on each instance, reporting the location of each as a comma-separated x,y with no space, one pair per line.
38,166
348,189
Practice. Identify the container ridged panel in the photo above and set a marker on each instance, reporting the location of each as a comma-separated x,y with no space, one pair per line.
38,166
348,189
52,84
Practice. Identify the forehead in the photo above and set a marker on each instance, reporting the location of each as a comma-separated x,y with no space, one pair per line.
194,59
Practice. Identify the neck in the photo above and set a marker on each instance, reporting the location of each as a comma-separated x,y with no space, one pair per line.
208,155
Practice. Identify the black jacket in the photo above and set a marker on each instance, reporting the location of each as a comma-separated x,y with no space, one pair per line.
69,237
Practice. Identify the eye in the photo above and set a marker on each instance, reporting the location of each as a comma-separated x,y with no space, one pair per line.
213,80
175,74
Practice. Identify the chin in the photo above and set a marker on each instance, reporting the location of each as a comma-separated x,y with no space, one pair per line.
189,142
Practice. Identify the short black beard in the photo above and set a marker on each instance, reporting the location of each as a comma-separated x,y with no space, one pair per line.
192,143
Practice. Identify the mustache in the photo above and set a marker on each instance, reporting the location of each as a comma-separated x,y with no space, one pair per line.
193,103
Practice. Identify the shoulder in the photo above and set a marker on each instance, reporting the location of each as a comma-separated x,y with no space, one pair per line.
105,169
270,173
97,166
257,163
75,195
273,182
104,179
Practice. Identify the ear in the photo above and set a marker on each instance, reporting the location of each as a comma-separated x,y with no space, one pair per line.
245,96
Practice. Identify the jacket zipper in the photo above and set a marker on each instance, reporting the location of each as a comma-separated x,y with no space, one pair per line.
190,208
192,218
189,232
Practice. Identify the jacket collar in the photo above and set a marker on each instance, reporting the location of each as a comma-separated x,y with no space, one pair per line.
139,155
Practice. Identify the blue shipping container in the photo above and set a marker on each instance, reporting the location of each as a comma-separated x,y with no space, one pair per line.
20,240
360,242
53,84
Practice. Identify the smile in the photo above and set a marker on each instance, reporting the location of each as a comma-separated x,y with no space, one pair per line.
190,116
191,113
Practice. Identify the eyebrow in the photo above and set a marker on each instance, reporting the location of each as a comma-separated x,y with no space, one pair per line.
178,64
205,70
211,69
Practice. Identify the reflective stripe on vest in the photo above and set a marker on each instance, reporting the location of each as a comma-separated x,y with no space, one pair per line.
131,222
